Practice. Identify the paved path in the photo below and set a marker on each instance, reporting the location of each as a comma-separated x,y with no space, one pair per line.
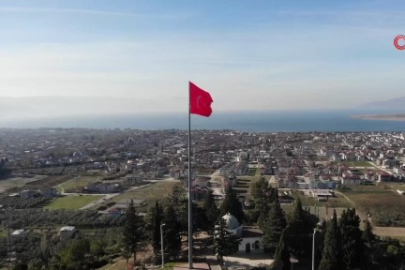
213,262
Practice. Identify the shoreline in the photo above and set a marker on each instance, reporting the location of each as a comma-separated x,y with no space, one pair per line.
387,117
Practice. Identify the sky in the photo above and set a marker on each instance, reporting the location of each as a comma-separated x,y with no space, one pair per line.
138,55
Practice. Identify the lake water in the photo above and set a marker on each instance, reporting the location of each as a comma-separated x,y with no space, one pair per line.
270,121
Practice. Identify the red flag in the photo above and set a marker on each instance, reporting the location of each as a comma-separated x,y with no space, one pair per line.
200,101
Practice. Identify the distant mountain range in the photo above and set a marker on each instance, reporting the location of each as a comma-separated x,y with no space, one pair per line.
395,103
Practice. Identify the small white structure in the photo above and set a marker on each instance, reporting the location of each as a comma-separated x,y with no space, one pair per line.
252,237
18,233
67,232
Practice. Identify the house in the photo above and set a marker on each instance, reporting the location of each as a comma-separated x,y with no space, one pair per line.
384,177
351,180
48,192
27,194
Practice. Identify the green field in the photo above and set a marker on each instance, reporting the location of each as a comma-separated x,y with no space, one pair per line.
77,183
72,202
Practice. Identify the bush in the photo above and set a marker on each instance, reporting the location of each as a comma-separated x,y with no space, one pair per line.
110,204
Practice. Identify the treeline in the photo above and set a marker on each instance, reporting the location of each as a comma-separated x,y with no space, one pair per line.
21,203
23,218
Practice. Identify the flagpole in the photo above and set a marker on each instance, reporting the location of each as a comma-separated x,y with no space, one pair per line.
190,215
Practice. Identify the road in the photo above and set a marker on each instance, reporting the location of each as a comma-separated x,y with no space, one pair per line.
216,185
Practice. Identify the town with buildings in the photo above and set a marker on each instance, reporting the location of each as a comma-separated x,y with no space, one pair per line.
61,184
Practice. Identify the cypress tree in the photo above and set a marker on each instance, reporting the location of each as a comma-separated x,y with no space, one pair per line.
211,211
352,244
232,205
274,226
131,230
332,249
282,256
154,220
300,228
368,235
171,232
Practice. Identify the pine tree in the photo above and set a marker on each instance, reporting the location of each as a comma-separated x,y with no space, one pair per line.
332,249
232,205
368,235
352,244
171,232
225,242
131,230
282,256
274,226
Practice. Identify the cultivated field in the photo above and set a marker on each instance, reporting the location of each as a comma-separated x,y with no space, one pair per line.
72,202
385,207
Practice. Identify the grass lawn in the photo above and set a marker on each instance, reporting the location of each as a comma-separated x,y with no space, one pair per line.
3,232
72,202
78,183
385,206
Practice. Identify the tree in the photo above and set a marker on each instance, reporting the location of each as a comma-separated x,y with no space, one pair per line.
131,230
332,249
171,232
352,244
154,220
211,211
225,242
282,256
274,226
232,205
299,230
73,256
368,235
45,252
263,196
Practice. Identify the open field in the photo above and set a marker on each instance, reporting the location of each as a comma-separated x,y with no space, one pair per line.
45,182
78,183
337,201
17,182
71,202
149,193
385,207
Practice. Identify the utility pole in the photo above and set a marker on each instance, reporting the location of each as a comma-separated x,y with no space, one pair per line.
313,250
161,245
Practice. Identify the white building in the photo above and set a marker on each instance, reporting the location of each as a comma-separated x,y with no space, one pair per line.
252,237
67,232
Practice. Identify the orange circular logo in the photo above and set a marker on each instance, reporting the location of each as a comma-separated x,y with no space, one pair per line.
397,40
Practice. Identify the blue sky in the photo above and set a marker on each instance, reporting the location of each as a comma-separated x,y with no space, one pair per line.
248,54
